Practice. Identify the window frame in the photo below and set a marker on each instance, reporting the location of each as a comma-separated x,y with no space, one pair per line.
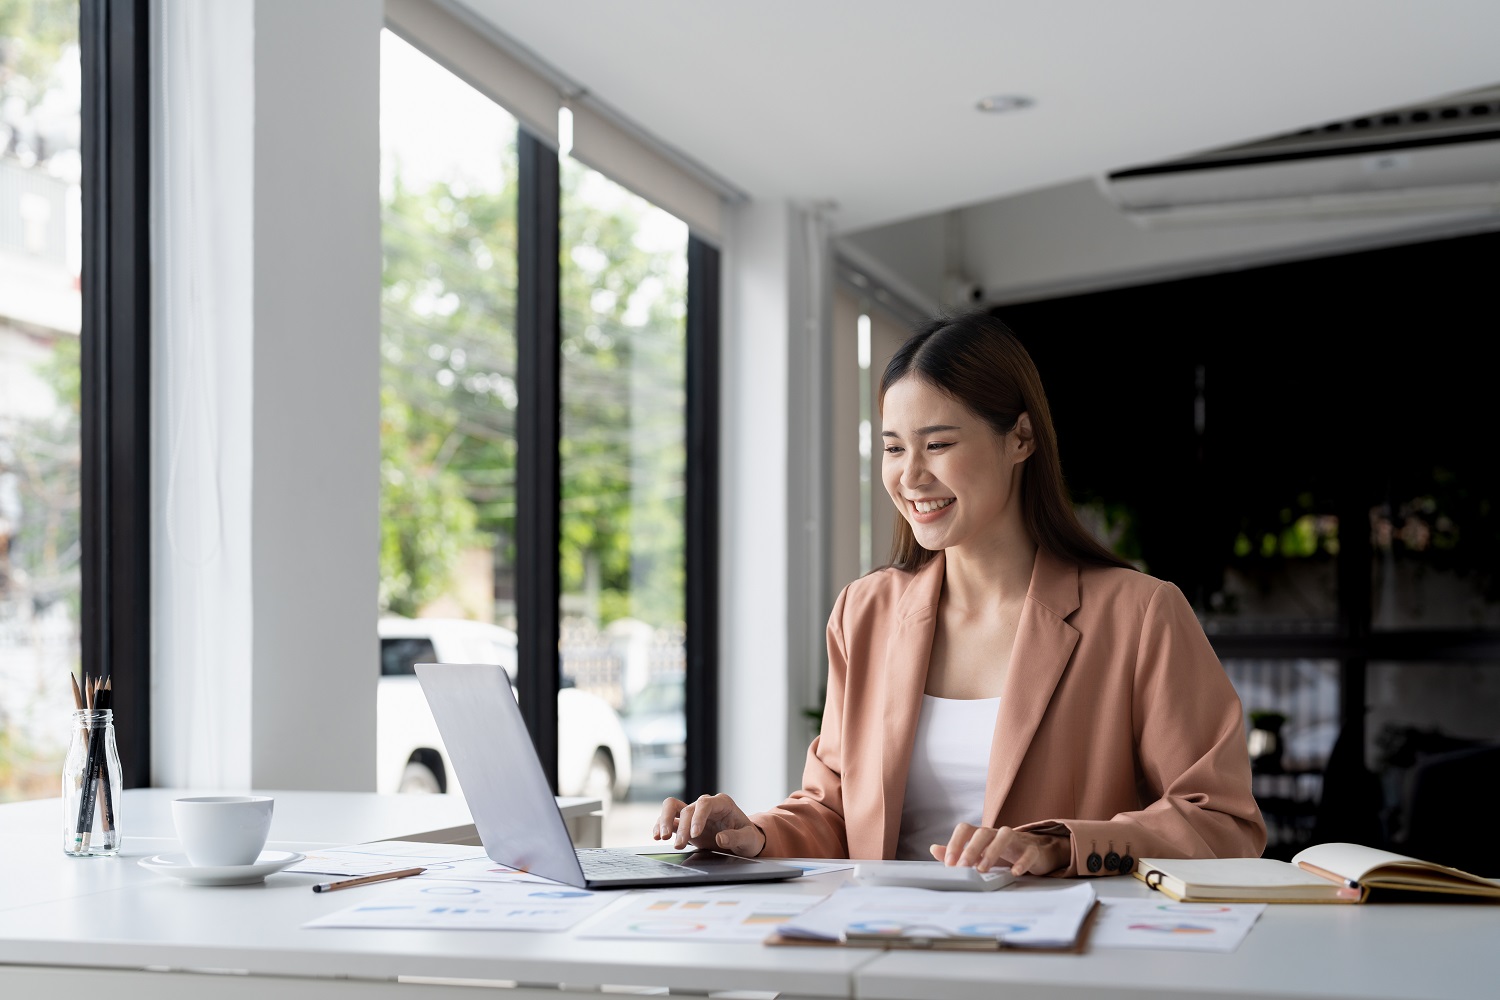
701,705
539,471
538,439
115,351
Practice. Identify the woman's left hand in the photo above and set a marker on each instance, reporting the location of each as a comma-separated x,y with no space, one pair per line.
985,847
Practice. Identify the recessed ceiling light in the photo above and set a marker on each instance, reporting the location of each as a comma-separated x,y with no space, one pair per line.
999,103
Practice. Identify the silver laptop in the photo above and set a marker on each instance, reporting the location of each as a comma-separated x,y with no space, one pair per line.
513,807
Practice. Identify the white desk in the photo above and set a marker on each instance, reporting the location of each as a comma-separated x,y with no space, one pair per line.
1382,951
104,927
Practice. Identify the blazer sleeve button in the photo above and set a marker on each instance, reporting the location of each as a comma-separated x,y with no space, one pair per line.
1095,862
1127,865
1112,862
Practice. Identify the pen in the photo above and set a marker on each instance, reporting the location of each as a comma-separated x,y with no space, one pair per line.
366,879
1347,883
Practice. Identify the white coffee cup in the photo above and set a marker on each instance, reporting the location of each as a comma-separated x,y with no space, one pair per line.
222,831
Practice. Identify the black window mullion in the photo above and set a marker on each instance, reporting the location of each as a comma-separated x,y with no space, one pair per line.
702,541
115,361
538,432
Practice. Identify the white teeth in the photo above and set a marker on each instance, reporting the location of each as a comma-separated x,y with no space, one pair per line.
928,506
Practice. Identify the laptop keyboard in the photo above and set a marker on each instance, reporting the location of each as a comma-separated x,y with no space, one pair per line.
622,864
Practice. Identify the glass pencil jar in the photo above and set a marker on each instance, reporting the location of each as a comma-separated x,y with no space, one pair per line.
91,786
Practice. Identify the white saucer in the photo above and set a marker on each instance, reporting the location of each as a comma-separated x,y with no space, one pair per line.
177,866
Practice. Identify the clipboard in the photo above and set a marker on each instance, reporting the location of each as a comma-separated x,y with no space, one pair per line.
903,942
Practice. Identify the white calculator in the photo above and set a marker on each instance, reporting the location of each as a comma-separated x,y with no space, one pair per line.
931,875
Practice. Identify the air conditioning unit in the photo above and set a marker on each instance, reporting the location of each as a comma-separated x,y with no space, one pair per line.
1434,159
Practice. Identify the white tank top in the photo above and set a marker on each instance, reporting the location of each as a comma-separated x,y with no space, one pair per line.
949,763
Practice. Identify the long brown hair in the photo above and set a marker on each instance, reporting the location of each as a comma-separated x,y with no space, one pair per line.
978,361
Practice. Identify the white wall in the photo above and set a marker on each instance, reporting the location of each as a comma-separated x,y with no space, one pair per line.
266,468
912,251
1068,238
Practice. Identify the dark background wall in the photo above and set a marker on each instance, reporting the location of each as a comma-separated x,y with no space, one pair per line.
1308,451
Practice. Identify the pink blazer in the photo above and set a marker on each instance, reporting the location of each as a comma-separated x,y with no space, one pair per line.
1116,722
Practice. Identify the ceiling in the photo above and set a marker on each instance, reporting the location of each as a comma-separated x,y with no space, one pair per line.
871,104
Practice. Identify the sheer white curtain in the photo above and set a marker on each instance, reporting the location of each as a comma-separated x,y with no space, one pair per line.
203,125
266,394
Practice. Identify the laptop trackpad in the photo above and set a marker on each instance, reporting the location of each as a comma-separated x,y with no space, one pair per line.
627,866
731,867
700,860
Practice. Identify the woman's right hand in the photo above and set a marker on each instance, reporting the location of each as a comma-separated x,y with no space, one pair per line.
710,822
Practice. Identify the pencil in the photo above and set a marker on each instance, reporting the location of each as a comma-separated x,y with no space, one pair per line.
106,701
1347,883
78,705
366,879
90,772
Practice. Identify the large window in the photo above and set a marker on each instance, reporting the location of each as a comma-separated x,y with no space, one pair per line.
536,384
624,477
448,395
41,233
74,379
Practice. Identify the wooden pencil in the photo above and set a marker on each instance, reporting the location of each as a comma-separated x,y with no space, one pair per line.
87,799
105,701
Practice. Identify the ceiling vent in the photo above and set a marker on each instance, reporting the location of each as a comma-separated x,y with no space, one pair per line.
1434,158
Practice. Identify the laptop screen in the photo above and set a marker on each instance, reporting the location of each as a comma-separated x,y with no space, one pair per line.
502,778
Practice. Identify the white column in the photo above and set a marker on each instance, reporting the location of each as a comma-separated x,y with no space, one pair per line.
774,588
316,493
266,465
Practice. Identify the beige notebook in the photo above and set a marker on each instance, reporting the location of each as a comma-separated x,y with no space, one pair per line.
1325,873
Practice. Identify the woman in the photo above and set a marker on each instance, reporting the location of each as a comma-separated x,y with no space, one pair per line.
1007,691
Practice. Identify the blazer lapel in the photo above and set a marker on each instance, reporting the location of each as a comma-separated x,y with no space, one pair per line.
1044,643
906,661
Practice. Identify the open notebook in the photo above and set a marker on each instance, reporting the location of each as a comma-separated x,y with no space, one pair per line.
1324,873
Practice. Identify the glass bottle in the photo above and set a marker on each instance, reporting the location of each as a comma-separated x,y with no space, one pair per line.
91,787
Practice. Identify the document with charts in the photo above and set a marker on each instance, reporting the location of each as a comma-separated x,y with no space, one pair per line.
418,905
683,915
1016,917
1166,924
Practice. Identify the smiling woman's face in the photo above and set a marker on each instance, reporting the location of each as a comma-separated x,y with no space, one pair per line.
954,479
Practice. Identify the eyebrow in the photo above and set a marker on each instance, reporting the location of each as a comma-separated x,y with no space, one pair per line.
925,430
